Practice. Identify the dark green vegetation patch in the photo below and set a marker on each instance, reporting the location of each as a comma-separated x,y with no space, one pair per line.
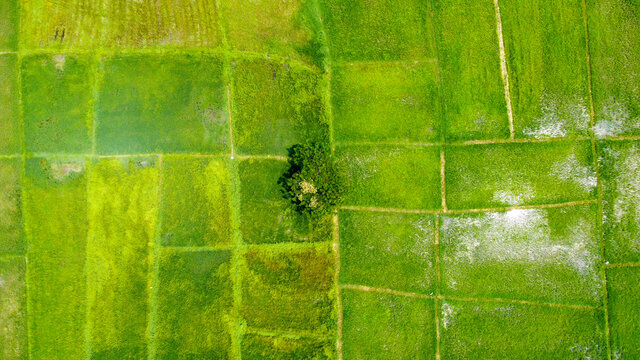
483,176
11,229
262,347
162,103
195,207
56,224
513,331
275,106
382,326
388,250
195,302
624,312
290,290
13,309
396,177
9,109
57,95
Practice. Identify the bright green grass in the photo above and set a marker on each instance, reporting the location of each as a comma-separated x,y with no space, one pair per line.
386,102
56,97
195,302
289,290
545,44
614,43
195,207
473,88
123,206
387,250
11,230
549,255
382,326
13,317
397,177
9,24
259,347
496,175
266,216
624,312
285,28
378,30
515,331
56,225
621,200
276,106
162,103
9,109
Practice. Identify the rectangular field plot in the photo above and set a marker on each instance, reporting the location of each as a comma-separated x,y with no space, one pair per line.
549,255
516,331
395,177
262,347
285,28
57,95
276,106
123,206
9,24
11,229
290,290
195,300
266,216
56,218
387,102
614,43
383,326
496,175
624,312
9,108
13,309
621,200
545,44
195,207
378,30
473,88
162,103
388,250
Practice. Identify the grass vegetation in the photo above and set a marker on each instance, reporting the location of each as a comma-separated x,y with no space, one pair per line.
624,313
13,317
11,231
9,109
265,347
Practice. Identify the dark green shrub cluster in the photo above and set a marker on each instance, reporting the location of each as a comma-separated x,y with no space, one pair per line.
313,183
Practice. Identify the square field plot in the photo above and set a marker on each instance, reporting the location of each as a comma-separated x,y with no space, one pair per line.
57,96
276,106
195,301
497,175
162,103
388,250
545,44
13,309
378,30
9,108
472,83
262,347
9,13
123,208
620,168
195,207
11,233
56,223
395,177
384,326
614,44
548,255
624,312
266,216
289,28
387,102
470,330
290,290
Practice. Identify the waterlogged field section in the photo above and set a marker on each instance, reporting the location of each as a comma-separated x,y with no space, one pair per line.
491,153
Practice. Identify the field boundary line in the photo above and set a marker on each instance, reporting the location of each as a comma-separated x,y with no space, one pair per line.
418,61
387,143
621,265
621,138
386,291
263,157
156,248
197,248
503,68
443,183
285,246
6,257
596,162
521,141
438,284
10,156
287,334
521,302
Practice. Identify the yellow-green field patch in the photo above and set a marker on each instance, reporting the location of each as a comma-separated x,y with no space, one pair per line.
13,314
9,24
263,347
624,312
11,229
9,109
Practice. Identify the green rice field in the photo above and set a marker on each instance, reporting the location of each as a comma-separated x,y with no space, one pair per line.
490,149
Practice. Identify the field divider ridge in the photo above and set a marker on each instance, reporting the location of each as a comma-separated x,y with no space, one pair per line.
503,68
155,273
